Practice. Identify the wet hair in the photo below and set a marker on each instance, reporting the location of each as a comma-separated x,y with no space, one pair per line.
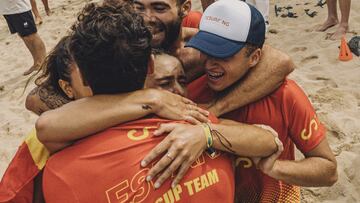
56,66
180,2
250,48
111,47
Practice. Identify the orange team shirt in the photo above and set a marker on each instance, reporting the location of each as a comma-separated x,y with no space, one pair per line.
289,112
106,168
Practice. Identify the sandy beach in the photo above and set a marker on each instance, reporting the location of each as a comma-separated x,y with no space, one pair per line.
333,86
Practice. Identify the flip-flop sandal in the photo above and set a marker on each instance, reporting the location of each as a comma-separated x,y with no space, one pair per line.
320,3
292,15
311,14
277,10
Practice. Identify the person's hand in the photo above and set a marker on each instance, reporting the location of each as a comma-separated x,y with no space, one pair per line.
175,107
267,165
183,145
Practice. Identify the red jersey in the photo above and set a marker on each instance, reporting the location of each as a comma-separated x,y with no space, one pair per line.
17,183
289,112
192,19
106,168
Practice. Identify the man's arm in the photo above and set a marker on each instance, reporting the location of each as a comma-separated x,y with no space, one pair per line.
263,79
60,127
235,137
317,169
185,143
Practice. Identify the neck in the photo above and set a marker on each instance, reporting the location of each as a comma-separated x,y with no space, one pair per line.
178,44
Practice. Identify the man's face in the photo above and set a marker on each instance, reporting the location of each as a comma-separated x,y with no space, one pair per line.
222,73
168,75
163,18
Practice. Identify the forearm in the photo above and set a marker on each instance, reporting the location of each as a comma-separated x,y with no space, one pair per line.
309,172
243,139
86,116
263,79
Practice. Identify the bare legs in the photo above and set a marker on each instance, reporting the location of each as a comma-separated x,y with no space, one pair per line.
344,22
332,18
38,19
37,49
47,9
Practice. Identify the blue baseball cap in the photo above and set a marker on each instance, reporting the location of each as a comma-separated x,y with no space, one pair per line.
225,28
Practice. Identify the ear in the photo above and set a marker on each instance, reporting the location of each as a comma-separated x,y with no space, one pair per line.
255,58
66,87
151,64
185,8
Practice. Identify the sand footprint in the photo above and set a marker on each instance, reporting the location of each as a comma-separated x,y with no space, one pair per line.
296,49
309,58
327,81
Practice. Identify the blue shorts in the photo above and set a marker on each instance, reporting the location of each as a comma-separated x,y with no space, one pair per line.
21,23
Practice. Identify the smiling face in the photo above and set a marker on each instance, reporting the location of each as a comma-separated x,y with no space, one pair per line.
168,75
164,19
222,73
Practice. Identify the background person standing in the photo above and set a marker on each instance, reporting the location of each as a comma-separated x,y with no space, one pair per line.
20,20
38,19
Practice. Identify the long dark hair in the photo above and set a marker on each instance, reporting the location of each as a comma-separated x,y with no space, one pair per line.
56,66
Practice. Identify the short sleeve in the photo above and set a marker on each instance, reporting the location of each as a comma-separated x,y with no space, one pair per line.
304,127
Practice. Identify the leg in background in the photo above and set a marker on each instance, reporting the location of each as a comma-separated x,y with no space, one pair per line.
344,22
37,49
47,8
332,18
38,19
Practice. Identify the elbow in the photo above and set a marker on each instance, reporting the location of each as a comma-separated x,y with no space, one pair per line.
31,104
285,67
42,125
333,179
333,174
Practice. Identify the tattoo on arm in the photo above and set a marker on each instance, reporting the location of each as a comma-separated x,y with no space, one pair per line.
50,97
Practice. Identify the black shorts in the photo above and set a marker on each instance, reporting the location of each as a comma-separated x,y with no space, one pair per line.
21,23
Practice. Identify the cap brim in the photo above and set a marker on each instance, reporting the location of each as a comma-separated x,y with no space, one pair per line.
214,45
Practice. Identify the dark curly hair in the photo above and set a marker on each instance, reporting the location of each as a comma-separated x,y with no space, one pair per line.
111,47
56,66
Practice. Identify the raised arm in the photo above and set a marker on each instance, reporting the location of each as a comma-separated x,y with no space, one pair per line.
268,75
185,143
60,127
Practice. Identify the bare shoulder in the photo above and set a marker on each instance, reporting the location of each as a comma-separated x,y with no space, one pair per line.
43,98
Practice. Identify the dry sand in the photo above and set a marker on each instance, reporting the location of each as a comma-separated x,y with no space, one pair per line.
332,86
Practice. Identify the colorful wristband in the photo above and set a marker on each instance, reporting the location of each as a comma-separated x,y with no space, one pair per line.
209,140
208,135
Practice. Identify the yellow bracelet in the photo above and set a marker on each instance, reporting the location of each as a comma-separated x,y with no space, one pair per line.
208,135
